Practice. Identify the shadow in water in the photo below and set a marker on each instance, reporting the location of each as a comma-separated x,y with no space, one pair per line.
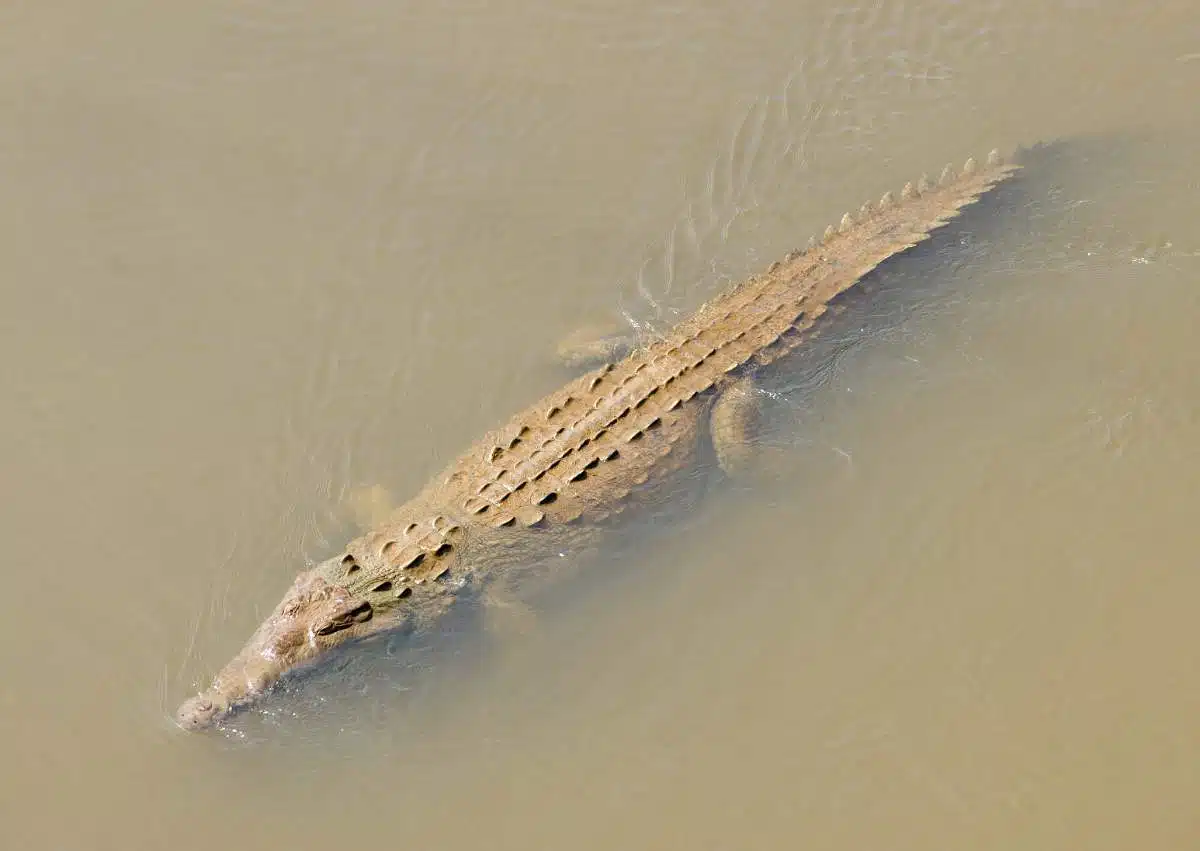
1005,230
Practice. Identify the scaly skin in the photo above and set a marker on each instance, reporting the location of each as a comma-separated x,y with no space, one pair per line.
562,470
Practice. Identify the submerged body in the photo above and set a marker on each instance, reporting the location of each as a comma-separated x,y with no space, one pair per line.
566,467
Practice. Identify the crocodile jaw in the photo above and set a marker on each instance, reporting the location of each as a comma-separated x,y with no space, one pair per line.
314,617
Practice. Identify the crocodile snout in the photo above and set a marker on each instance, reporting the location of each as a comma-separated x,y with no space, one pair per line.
312,618
199,712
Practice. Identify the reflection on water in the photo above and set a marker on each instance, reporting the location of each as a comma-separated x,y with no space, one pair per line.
256,256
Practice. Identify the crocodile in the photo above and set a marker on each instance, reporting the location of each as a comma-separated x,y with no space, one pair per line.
572,465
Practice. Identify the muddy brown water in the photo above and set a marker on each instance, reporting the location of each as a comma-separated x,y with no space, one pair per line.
253,256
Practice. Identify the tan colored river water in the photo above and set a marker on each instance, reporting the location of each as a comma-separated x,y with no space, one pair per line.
254,255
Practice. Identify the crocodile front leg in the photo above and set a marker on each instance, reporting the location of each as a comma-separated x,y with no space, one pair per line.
733,425
506,615
367,507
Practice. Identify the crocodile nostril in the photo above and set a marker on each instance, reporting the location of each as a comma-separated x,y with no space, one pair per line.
196,713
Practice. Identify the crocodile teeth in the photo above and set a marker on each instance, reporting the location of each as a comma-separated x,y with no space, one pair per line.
845,224
828,233
864,212
908,192
969,167
886,201
812,243
923,185
993,157
947,175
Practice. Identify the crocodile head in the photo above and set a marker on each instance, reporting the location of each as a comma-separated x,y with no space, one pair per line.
314,617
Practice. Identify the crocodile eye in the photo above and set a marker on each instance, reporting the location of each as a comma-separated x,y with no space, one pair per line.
346,619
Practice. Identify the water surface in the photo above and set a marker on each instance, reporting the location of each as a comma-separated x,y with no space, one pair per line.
253,256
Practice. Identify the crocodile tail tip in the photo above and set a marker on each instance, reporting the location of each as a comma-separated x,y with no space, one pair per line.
910,192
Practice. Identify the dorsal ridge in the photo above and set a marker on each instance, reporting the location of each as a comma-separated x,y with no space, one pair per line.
763,312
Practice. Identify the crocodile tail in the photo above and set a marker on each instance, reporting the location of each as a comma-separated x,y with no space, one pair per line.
796,291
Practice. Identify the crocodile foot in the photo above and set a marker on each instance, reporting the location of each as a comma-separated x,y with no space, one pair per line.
367,506
507,617
595,345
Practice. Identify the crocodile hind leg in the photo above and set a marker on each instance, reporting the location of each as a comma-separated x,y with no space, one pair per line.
595,345
733,425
